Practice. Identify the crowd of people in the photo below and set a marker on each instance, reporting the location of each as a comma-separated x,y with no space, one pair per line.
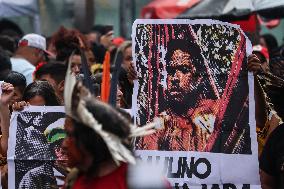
35,72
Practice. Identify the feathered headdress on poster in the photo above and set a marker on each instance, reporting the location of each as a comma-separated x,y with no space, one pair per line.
83,107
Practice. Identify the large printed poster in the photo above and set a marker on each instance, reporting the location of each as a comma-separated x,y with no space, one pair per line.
35,156
193,75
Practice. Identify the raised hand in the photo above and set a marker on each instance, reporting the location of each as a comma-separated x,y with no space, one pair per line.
6,96
19,106
7,93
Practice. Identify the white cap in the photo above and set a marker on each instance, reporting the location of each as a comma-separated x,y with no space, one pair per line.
33,40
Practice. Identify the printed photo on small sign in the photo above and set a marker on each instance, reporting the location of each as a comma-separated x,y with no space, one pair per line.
193,75
35,157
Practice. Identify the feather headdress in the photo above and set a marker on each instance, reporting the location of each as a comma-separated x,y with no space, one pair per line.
80,105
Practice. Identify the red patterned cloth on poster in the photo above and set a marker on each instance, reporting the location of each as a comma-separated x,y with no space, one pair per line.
184,133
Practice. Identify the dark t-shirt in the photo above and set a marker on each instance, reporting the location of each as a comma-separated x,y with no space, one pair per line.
272,158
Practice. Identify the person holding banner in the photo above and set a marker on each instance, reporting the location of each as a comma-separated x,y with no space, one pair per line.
38,93
8,91
6,97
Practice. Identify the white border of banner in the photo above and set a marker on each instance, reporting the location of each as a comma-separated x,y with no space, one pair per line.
234,167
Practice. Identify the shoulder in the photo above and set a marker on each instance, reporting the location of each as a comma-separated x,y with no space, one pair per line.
22,62
24,67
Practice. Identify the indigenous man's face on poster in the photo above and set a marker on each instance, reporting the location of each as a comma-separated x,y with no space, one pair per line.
195,78
180,72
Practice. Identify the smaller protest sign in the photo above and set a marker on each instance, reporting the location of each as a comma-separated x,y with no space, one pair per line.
35,158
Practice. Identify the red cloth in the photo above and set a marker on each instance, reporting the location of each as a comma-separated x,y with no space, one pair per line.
166,8
248,25
105,86
116,179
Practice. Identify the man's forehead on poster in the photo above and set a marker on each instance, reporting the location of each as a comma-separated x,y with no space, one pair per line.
188,50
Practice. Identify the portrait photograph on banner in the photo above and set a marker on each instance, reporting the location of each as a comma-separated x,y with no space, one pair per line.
193,76
35,157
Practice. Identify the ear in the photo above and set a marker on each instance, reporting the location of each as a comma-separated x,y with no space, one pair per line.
61,86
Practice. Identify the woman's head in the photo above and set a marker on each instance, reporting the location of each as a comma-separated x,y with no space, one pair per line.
40,93
85,148
126,49
66,41
19,82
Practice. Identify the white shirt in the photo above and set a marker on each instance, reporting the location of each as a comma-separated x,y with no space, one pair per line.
24,67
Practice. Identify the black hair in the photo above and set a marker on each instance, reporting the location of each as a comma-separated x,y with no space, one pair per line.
5,64
189,46
102,29
56,69
66,52
8,43
17,80
89,140
271,42
7,27
44,89
112,121
99,52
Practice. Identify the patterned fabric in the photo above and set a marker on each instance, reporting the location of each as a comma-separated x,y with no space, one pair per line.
272,118
190,133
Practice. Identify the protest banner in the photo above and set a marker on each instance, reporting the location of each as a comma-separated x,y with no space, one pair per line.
35,158
193,75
